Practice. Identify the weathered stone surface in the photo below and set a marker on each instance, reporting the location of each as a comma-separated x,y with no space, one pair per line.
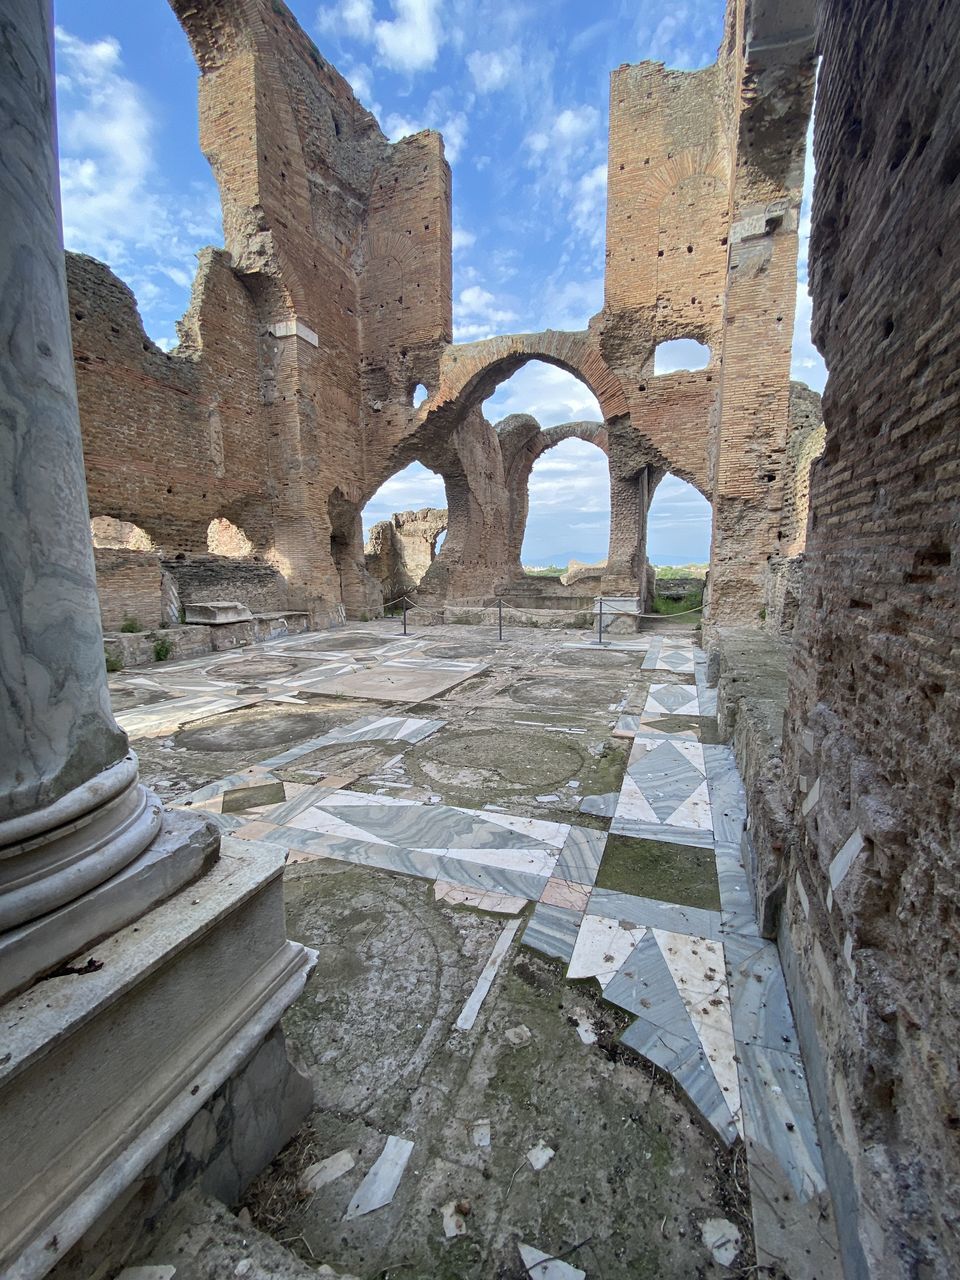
216,612
400,550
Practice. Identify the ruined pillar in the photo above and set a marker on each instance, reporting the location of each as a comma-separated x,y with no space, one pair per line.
775,75
167,1017
630,497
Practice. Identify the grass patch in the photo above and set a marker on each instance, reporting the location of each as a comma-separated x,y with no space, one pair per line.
681,570
113,663
692,600
131,625
162,649
667,872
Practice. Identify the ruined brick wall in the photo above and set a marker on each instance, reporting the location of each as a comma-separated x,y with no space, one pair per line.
336,274
128,584
170,440
784,578
401,550
251,581
873,730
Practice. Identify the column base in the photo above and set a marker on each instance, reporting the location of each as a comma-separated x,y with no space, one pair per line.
185,848
105,1070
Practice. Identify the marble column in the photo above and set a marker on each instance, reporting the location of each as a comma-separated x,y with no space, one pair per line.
73,813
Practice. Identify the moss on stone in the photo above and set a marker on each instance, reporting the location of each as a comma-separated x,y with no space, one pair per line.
654,869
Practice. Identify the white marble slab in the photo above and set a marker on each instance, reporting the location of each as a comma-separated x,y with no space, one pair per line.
468,1014
380,1185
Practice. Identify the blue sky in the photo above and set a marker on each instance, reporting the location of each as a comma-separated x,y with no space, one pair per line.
520,93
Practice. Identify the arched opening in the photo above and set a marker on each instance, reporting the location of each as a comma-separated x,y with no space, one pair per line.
404,525
680,355
568,514
119,535
679,523
420,393
225,539
550,394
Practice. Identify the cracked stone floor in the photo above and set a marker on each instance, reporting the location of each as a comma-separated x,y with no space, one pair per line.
545,1035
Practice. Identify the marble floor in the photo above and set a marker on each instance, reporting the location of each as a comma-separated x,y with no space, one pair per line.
640,890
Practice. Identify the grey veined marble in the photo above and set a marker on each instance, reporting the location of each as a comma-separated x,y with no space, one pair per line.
72,811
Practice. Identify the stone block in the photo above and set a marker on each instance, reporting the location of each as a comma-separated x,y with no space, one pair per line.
216,613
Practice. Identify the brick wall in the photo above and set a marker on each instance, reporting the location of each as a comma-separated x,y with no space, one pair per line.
128,584
873,729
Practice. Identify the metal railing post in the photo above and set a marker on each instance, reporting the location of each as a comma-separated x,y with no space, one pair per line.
600,622
404,615
500,616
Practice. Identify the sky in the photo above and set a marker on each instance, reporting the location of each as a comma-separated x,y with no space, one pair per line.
519,92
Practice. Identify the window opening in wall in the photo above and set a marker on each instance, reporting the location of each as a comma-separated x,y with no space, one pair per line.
420,393
119,535
678,544
680,354
225,539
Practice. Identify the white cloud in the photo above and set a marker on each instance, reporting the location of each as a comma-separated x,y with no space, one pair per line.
478,314
494,70
115,206
590,202
408,42
549,393
409,490
453,126
463,239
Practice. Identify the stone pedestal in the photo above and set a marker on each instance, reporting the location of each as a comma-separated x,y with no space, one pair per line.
105,1066
179,968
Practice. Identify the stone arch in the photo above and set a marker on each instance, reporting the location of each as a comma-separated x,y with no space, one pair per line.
522,443
471,371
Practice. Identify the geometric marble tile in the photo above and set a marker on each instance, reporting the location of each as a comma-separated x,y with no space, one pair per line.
665,791
552,931
697,968
581,855
600,806
758,995
778,1117
671,700
648,913
602,946
457,896
565,893
728,800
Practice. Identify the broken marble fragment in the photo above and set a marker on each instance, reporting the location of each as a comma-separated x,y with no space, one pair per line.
481,1133
544,1266
540,1155
518,1036
324,1171
722,1239
380,1185
454,1223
